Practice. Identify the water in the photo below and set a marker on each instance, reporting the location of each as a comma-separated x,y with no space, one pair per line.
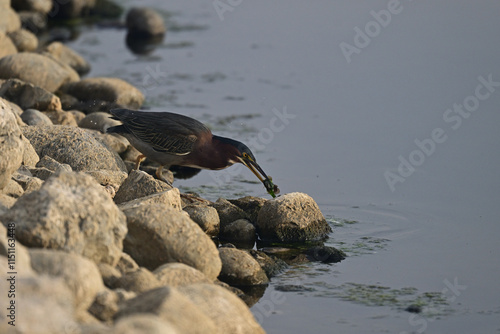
349,124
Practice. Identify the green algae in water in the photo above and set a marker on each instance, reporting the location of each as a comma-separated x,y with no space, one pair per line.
362,246
433,304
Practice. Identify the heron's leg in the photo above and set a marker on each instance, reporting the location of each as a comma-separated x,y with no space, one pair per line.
159,174
140,158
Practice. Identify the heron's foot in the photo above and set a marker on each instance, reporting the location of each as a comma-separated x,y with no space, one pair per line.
140,158
159,175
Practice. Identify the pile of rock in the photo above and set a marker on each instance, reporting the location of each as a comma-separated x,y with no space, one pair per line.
96,248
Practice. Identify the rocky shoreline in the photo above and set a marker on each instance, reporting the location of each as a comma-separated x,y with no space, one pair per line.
89,245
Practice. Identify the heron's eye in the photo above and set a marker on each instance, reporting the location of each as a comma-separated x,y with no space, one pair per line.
245,155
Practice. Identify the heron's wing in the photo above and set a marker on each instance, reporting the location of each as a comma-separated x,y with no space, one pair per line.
164,131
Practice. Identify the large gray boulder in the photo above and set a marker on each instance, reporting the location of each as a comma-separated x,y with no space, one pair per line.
11,144
240,268
206,217
138,281
230,313
157,235
65,55
79,274
24,40
143,323
293,217
37,69
7,46
140,184
73,146
9,20
44,305
171,306
105,89
179,274
27,95
70,212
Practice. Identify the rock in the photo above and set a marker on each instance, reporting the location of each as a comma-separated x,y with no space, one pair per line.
109,274
240,269
35,117
293,217
138,281
79,274
9,20
99,121
105,305
41,6
104,89
107,178
37,69
6,202
171,306
229,312
157,235
47,306
16,110
72,8
35,22
24,40
11,144
167,199
61,117
73,213
29,96
77,114
53,165
270,264
65,55
142,324
251,205
28,183
126,264
228,212
7,47
206,217
241,231
117,143
5,4
179,274
325,254
30,157
139,184
13,189
73,146
144,22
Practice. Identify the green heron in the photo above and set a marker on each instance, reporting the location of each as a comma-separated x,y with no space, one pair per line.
177,140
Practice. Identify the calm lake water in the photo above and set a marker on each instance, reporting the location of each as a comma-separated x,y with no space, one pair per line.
386,112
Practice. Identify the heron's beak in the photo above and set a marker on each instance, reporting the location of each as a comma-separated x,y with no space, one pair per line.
271,188
254,167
